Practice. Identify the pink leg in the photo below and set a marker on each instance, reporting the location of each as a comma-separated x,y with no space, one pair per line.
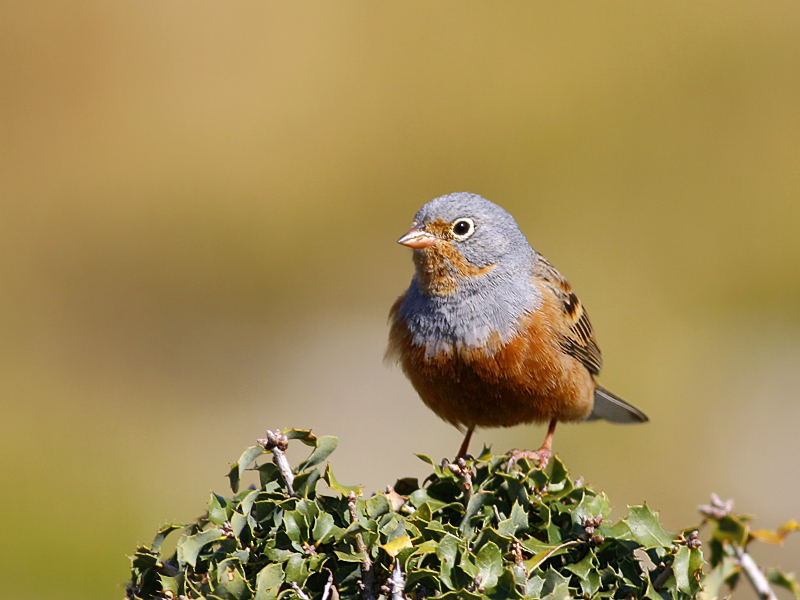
465,444
542,455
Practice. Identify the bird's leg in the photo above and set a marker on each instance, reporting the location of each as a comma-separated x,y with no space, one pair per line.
542,454
462,452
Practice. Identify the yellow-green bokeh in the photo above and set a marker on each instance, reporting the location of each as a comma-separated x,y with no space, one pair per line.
198,209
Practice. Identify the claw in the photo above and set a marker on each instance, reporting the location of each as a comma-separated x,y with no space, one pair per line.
542,456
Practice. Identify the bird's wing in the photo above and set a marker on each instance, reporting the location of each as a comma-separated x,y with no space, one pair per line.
577,335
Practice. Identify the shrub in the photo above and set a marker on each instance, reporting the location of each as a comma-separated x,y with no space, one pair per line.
474,529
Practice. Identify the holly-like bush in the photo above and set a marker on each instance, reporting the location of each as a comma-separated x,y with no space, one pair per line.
475,529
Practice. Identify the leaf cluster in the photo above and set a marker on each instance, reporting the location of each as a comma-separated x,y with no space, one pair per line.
730,535
473,530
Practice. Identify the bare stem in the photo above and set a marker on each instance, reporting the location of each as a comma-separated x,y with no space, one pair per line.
664,574
465,475
277,443
326,592
299,591
397,582
717,511
367,571
754,574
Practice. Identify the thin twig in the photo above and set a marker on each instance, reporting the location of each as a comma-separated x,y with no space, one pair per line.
277,443
367,583
465,475
397,582
326,591
754,574
717,511
664,574
299,591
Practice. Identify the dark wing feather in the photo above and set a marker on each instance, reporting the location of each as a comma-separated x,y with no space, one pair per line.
578,338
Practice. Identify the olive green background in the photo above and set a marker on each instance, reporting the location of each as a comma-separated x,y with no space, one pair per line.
199,208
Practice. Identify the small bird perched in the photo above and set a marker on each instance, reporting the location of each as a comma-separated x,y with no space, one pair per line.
490,333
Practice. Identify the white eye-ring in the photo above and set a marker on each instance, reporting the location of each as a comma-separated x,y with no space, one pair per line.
462,228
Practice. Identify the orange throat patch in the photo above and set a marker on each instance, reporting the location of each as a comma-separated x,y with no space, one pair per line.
441,265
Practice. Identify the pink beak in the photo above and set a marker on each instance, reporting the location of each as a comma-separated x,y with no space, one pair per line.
417,237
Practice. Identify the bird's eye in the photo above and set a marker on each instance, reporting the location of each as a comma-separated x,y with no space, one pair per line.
463,228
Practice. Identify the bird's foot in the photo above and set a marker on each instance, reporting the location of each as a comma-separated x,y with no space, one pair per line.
542,456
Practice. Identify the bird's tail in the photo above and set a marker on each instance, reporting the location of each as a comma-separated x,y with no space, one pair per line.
613,408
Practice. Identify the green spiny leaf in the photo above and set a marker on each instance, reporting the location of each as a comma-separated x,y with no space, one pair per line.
163,533
325,445
324,528
189,547
646,529
377,505
268,582
785,580
687,562
344,490
490,564
218,510
245,460
303,435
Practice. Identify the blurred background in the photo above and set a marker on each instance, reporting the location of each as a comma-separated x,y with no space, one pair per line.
200,203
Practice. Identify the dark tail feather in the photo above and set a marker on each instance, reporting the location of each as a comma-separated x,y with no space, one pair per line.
613,408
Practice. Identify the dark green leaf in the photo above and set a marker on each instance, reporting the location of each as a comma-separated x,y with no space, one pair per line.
589,507
344,490
421,497
296,569
324,528
406,485
163,533
144,559
296,526
584,567
377,505
324,447
309,509
355,557
687,562
239,522
305,483
714,580
268,473
268,582
230,584
646,529
245,460
533,587
619,530
555,587
428,576
461,595
475,503
190,546
785,580
447,551
218,509
490,564
730,528
304,435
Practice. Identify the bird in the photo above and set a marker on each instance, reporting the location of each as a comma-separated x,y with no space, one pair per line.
489,333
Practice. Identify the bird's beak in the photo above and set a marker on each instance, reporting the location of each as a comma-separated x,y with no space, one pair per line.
417,237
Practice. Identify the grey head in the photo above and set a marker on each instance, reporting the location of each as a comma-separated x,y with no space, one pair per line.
473,274
494,238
